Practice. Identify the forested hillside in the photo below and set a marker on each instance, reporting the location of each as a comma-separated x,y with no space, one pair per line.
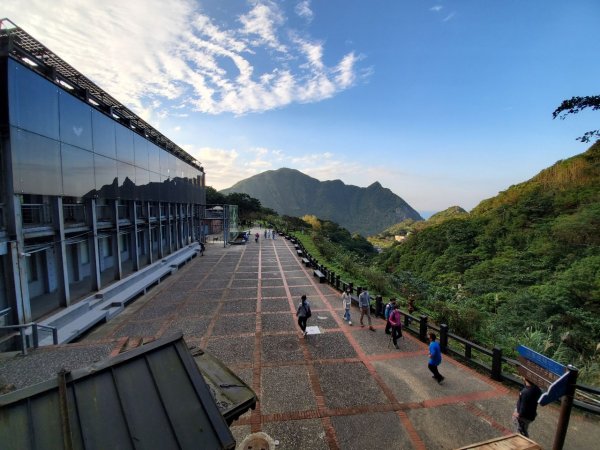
524,265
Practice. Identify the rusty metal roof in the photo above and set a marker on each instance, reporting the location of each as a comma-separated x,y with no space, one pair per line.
153,397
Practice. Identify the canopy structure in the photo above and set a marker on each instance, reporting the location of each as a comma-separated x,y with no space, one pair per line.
150,397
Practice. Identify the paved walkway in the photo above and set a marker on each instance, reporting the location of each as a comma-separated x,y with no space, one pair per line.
345,388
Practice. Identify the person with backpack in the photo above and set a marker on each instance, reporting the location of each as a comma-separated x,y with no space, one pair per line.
303,313
388,309
395,321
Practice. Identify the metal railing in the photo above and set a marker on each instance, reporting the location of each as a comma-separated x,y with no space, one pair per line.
104,213
74,213
123,212
491,361
35,327
35,214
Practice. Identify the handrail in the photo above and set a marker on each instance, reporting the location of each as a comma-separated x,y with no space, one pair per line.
495,369
34,332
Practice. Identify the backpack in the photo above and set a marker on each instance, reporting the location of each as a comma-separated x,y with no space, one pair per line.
388,310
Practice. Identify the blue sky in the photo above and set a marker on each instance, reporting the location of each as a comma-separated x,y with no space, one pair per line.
443,102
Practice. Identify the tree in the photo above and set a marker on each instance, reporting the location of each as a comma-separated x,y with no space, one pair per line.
573,106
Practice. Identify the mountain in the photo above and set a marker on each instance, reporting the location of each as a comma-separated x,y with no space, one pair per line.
521,267
360,210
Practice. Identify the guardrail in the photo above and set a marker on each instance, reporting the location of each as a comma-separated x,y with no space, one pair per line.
35,214
487,360
35,327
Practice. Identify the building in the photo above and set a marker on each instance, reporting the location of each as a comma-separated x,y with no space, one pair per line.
90,194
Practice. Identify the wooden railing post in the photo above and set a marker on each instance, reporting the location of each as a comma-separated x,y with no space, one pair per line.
423,328
444,338
497,364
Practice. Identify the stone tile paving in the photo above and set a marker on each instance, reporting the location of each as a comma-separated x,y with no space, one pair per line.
346,385
345,388
372,430
298,434
276,349
273,322
331,345
286,389
276,304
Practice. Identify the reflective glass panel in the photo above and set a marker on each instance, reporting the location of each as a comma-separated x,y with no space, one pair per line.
78,171
104,135
105,171
153,157
36,163
33,101
126,180
142,179
141,151
75,121
164,162
125,152
154,186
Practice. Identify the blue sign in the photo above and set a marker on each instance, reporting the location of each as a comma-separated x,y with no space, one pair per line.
541,360
555,391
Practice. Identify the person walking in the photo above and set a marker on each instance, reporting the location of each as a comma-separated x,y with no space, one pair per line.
388,309
303,314
395,321
347,302
435,358
265,233
256,237
526,409
364,303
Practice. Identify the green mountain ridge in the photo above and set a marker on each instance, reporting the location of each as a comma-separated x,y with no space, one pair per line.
360,210
525,261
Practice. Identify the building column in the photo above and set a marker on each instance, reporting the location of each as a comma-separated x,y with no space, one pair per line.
149,230
93,244
160,232
117,242
134,241
63,271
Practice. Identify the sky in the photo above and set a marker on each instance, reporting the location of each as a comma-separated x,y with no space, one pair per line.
443,102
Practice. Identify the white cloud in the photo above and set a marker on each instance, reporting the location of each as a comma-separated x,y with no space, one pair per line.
436,8
157,56
303,10
449,17
262,21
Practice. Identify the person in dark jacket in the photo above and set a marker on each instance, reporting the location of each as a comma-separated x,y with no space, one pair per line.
303,314
526,409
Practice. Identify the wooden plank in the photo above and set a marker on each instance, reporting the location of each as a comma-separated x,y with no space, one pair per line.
511,442
537,375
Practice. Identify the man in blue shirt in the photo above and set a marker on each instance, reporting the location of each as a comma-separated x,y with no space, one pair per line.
435,358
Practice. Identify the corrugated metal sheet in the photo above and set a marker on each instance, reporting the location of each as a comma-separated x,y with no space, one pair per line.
153,397
232,395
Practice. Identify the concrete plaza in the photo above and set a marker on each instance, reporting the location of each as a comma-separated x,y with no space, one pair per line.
346,387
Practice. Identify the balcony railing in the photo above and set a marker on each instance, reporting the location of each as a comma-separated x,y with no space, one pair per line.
74,213
35,214
123,212
104,213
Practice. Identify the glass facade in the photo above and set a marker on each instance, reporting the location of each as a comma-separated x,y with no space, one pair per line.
60,143
98,201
